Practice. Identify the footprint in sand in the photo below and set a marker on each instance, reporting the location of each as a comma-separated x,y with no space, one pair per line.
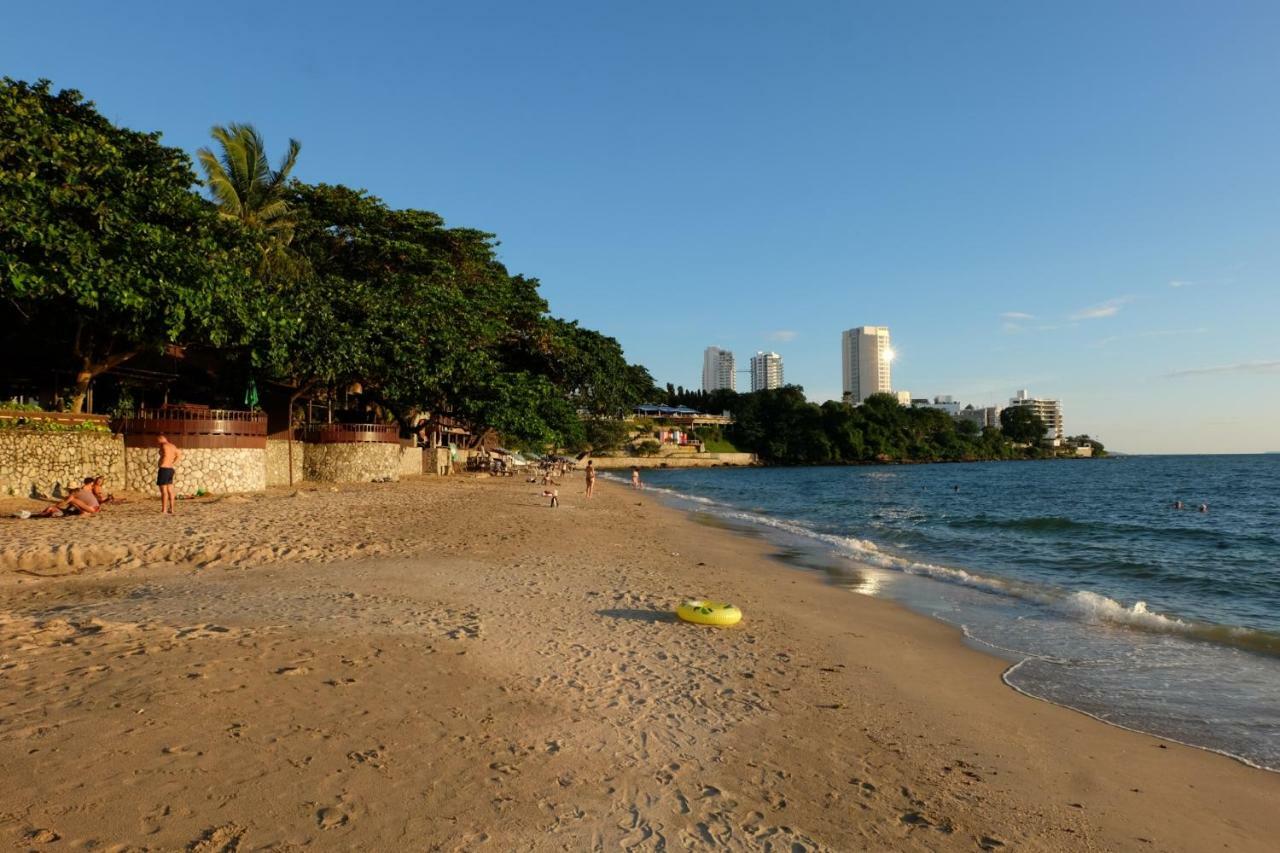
41,836
218,839
332,817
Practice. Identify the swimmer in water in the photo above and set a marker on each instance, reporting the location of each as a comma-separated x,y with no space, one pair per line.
1204,507
1177,504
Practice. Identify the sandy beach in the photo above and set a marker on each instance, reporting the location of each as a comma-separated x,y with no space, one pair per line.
453,665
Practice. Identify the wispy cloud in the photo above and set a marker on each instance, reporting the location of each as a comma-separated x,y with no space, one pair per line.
1017,315
1238,367
782,335
1154,333
1177,282
1110,308
1011,328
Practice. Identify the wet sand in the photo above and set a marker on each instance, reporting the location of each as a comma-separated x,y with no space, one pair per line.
453,665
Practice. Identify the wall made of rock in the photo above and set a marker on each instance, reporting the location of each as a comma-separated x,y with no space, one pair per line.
411,459
48,463
701,460
357,462
278,462
215,470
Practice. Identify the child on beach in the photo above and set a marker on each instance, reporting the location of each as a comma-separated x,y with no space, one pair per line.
554,494
635,478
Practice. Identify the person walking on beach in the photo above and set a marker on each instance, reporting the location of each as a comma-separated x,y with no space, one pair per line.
169,456
591,478
635,478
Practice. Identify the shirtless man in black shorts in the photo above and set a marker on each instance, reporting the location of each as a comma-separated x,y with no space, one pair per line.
169,456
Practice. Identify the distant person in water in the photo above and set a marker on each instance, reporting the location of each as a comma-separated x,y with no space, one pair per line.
169,456
1204,507
635,478
591,478
1177,504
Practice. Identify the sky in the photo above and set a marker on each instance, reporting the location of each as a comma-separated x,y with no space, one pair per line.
1079,199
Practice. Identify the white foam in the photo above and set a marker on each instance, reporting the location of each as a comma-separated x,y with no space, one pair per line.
1094,607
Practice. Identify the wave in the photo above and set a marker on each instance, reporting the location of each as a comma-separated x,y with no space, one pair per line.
1083,605
1099,608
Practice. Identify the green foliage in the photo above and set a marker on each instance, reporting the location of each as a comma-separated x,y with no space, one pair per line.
782,427
104,249
246,189
36,424
1021,424
647,447
606,434
713,440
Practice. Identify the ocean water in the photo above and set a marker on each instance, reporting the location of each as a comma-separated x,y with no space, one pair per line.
1080,573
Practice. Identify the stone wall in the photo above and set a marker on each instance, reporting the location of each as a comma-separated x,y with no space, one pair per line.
355,462
701,460
47,463
411,460
278,462
216,471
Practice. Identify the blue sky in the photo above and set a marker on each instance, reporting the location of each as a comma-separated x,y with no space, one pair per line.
1083,200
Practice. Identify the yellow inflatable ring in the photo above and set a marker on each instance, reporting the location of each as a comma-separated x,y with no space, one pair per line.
709,613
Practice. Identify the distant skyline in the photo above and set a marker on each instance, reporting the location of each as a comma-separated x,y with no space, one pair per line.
1083,201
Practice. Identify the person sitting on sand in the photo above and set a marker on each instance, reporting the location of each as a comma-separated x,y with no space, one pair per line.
100,492
591,478
80,502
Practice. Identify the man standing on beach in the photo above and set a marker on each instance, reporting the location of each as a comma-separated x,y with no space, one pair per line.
169,456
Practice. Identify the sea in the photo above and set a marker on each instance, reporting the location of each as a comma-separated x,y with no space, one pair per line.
1101,595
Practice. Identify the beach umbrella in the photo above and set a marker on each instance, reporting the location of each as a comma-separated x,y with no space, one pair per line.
251,394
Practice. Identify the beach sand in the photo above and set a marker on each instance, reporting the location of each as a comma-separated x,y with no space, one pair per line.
453,665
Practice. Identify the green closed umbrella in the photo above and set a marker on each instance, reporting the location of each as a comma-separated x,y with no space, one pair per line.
251,394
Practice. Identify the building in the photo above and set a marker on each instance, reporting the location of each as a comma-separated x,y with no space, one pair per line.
766,371
1050,411
904,398
867,356
717,370
945,402
985,416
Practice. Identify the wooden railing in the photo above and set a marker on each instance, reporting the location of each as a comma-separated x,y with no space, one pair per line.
351,433
196,427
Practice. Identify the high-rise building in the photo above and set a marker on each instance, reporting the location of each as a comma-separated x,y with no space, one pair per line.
867,356
717,370
1050,411
766,371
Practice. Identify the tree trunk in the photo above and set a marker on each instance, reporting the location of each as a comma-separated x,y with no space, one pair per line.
90,370
83,377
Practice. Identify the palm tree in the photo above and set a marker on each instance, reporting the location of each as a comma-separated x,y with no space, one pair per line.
245,187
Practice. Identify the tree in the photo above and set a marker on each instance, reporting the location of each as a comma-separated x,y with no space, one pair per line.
104,249
1021,424
243,184
592,369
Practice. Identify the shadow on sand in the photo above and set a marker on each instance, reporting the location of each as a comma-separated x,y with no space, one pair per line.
638,615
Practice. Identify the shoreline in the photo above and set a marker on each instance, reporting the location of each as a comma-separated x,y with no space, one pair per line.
508,671
821,552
